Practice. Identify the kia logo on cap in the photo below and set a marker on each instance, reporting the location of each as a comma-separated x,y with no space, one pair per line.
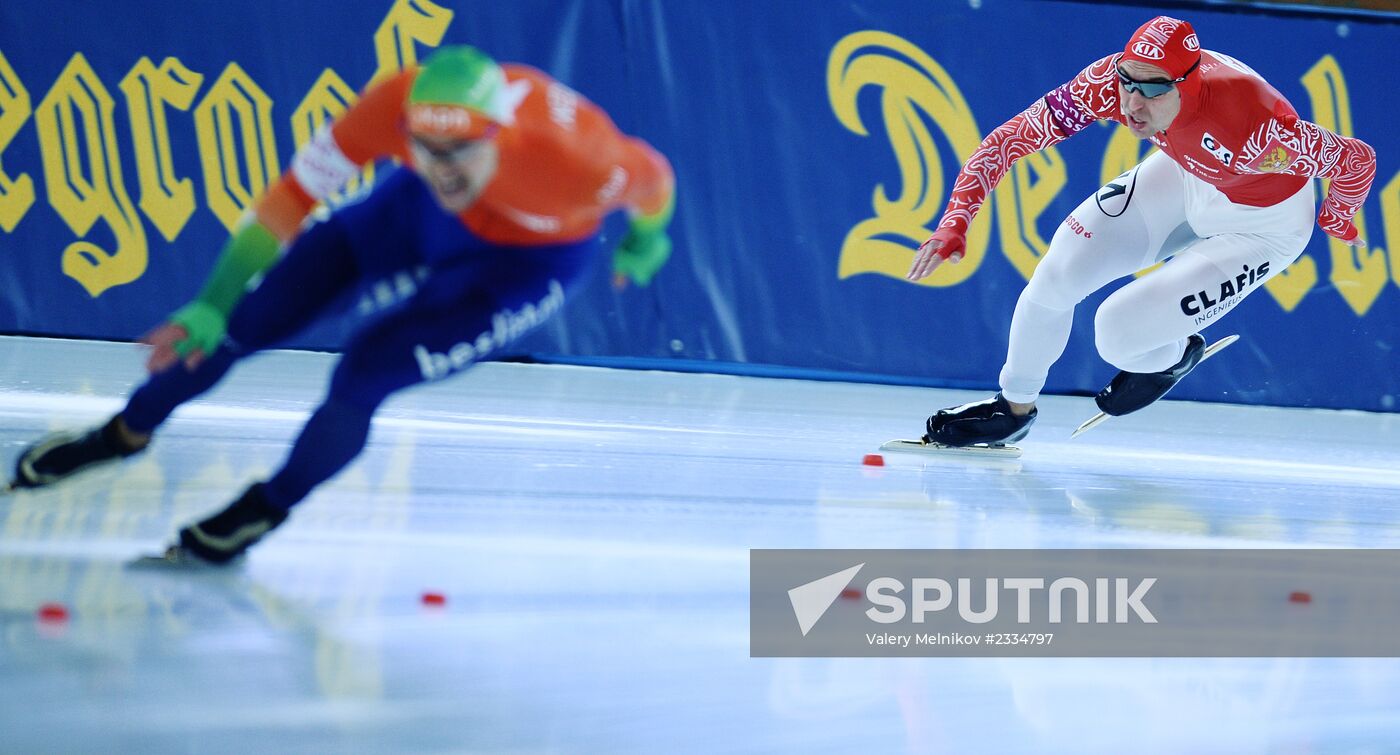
1192,44
1148,50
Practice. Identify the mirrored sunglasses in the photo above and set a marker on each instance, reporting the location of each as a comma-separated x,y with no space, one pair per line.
1153,88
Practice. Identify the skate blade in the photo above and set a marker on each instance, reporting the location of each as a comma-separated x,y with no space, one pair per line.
1098,419
174,558
1089,424
938,449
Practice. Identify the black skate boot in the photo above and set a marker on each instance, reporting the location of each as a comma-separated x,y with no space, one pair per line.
226,535
61,455
1131,391
987,422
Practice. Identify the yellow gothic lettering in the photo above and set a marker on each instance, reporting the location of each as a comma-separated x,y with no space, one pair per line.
329,97
1390,213
1358,273
166,200
408,22
912,83
1034,182
235,112
16,194
1290,286
76,132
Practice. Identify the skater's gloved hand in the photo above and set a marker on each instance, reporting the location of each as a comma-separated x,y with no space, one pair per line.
646,247
640,255
944,244
192,333
1340,228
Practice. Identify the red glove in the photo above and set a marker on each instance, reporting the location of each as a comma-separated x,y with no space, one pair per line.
944,244
1336,226
953,242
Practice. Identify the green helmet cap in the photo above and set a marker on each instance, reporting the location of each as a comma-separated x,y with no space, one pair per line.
460,91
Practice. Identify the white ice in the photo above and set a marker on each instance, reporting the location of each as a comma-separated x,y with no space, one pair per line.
590,530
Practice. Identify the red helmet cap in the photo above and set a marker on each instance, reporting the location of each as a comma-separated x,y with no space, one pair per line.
1168,43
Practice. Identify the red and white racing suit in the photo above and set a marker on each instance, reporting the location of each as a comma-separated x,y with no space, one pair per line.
1228,199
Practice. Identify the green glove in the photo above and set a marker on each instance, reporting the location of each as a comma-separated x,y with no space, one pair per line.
204,324
641,255
646,247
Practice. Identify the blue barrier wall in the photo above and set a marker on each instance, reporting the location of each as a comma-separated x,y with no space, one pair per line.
814,145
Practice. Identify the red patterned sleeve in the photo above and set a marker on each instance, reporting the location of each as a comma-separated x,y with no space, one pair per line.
1288,145
1063,112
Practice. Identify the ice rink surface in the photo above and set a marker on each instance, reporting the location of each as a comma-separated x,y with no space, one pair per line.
590,530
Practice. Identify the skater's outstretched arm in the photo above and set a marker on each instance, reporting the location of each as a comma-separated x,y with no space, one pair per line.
1061,113
366,132
650,203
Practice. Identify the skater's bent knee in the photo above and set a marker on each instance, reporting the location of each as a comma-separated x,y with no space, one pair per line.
1119,336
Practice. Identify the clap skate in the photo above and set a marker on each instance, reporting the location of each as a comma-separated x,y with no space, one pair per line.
1131,391
61,455
982,428
223,537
